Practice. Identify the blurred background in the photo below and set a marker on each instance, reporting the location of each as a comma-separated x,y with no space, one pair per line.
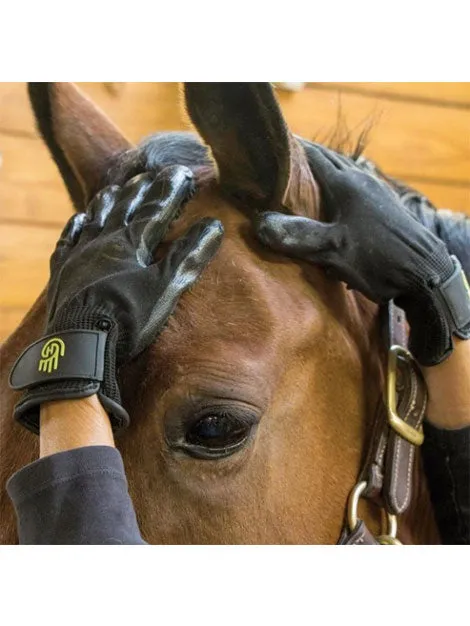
420,133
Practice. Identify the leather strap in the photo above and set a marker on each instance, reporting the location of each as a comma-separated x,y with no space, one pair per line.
389,462
400,453
389,466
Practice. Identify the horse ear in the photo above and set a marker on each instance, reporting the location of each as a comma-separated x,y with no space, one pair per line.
81,138
258,159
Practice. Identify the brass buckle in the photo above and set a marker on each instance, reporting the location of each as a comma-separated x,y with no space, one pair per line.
413,435
390,537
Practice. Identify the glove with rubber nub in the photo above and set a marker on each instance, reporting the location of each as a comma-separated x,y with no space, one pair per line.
107,300
373,245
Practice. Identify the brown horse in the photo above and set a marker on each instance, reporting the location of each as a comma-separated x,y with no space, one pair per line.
252,412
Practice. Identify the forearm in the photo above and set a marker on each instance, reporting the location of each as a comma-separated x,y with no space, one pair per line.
449,389
69,424
77,491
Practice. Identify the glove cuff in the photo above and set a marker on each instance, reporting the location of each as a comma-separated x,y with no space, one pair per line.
435,318
70,364
454,296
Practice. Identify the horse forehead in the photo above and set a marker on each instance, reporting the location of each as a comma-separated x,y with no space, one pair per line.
249,303
245,287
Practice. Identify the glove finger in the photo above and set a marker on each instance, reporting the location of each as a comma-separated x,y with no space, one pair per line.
179,270
298,236
170,190
163,203
69,237
72,230
99,210
129,199
189,255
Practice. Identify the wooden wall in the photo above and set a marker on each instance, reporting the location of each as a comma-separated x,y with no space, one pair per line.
421,134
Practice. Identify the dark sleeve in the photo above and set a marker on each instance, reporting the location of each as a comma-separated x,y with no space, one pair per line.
446,457
75,497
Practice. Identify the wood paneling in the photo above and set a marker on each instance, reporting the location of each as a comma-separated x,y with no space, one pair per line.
32,202
408,140
26,160
31,189
452,94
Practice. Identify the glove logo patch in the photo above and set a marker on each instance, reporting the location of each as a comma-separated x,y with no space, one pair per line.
51,351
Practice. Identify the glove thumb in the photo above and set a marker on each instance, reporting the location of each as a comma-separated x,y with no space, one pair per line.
297,236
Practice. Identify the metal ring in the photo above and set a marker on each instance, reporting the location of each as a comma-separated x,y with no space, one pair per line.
353,502
390,521
390,536
386,540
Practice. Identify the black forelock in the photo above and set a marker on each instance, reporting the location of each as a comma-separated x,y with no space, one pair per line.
158,151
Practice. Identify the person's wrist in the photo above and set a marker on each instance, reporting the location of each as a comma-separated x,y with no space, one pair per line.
449,389
69,424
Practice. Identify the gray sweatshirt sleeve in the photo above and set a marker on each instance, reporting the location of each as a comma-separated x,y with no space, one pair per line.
75,497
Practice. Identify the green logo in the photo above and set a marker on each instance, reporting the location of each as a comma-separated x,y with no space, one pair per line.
51,351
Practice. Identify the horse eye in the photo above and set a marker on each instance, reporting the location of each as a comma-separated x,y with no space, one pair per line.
215,436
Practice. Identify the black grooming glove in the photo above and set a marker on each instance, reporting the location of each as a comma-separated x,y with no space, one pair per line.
107,300
372,244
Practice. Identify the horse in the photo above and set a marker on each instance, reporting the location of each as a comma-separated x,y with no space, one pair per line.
252,412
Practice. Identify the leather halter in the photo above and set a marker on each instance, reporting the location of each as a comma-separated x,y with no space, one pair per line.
386,477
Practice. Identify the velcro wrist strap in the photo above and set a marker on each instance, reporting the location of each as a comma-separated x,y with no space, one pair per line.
455,296
68,355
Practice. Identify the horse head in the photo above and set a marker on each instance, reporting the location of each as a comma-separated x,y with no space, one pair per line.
250,413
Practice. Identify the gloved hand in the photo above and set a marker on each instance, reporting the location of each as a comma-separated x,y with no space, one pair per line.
371,243
107,300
